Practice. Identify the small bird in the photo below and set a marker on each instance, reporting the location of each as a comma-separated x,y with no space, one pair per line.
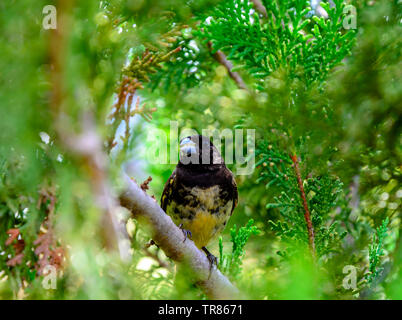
201,193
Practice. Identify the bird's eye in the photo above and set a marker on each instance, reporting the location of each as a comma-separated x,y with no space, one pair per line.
188,148
185,141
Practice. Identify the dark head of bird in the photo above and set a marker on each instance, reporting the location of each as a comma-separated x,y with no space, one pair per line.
198,153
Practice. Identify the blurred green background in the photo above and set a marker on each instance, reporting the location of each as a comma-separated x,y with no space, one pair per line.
328,93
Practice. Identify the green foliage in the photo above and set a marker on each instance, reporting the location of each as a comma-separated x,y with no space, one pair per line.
289,38
186,69
376,251
230,264
147,63
322,192
316,92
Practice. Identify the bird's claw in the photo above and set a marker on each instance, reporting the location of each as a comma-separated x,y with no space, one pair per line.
212,260
187,233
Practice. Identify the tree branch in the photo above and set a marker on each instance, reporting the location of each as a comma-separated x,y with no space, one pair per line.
86,146
260,7
221,58
170,239
307,216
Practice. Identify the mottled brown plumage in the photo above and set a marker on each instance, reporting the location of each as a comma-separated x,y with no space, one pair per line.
201,193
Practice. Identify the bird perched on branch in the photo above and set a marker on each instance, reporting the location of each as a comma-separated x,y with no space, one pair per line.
201,193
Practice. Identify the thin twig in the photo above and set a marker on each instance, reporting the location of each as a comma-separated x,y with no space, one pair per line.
154,256
221,58
307,216
259,7
170,239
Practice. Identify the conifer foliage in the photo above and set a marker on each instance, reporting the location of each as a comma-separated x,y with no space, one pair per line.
318,82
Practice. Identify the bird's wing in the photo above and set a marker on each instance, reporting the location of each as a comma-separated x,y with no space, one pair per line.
235,193
167,191
231,186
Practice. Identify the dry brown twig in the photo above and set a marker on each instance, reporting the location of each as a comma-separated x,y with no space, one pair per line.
47,249
145,185
127,88
134,75
19,246
126,93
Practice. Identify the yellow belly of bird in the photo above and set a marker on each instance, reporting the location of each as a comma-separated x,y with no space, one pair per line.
207,219
204,226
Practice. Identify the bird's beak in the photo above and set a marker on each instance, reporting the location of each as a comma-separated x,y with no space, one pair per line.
187,148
